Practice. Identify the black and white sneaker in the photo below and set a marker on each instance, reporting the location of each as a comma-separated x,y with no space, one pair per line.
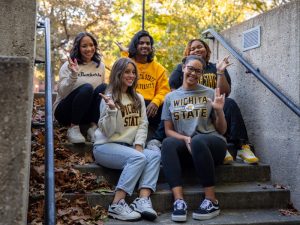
180,211
144,207
207,210
122,211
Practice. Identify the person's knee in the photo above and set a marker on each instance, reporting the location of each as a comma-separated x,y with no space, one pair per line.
139,159
168,143
230,103
86,89
101,88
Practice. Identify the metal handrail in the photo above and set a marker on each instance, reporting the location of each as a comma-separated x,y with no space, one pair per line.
255,72
50,214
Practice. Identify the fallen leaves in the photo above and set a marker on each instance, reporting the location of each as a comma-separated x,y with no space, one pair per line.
67,179
290,211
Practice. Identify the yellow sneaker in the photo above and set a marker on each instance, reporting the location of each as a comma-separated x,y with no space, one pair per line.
247,155
228,158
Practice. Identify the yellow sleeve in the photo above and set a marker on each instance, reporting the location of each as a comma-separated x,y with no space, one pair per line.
124,54
162,87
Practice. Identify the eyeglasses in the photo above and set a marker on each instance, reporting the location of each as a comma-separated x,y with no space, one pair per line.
196,71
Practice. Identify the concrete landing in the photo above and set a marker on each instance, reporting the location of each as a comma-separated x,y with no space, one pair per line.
227,217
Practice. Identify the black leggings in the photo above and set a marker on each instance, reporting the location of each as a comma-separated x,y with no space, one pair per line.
81,106
207,152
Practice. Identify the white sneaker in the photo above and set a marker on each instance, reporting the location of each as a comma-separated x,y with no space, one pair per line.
74,135
144,207
91,134
154,145
122,211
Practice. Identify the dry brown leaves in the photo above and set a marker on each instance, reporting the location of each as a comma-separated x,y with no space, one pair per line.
67,179
289,211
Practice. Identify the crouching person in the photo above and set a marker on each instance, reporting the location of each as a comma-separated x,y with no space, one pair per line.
120,141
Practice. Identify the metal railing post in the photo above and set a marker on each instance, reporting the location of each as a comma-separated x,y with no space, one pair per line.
143,16
50,218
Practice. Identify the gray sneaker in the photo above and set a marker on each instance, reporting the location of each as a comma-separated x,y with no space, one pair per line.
154,145
122,211
144,207
74,135
91,134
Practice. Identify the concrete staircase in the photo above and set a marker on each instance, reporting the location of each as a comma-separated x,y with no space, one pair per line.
245,192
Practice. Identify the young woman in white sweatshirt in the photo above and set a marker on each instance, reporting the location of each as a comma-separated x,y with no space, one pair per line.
120,141
81,79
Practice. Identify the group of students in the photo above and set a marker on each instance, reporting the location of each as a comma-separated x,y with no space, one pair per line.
191,111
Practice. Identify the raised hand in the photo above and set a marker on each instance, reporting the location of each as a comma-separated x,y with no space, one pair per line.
223,64
73,65
108,100
121,47
219,100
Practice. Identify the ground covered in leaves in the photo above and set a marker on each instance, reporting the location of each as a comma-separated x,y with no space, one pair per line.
67,179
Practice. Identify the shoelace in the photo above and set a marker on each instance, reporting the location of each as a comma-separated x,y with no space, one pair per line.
126,208
146,202
180,204
206,204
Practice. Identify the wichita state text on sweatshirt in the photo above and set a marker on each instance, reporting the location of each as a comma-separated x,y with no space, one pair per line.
127,125
153,81
69,81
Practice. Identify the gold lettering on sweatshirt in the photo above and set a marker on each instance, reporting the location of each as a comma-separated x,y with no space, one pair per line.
130,115
208,80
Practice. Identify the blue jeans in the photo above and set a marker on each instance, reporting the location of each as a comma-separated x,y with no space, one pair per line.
137,166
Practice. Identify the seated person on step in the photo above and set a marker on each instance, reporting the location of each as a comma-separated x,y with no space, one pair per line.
215,76
153,80
194,123
80,82
120,141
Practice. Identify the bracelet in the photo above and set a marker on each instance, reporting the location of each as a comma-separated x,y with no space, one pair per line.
220,74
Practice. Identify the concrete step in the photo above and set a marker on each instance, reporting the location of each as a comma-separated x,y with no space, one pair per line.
231,196
237,172
226,217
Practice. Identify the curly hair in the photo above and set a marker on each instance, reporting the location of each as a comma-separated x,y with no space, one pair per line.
115,84
188,48
75,51
134,42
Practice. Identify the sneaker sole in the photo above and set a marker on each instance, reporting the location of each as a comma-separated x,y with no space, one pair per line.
118,217
76,141
238,158
148,216
176,218
145,215
228,161
197,216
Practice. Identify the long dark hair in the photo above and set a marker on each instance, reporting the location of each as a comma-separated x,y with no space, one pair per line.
134,42
75,51
115,84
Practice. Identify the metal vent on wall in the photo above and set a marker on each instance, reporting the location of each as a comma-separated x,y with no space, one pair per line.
251,38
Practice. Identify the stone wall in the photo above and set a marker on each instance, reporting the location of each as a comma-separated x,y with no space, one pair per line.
272,127
17,53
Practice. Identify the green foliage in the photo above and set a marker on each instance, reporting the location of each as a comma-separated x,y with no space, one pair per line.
171,22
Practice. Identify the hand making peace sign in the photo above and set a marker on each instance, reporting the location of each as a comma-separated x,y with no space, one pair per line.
73,65
109,101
